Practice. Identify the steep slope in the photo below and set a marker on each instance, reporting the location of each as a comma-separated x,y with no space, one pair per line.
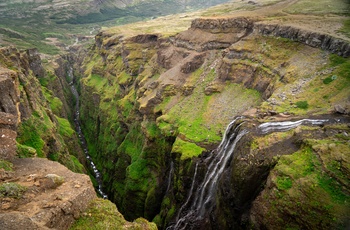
35,192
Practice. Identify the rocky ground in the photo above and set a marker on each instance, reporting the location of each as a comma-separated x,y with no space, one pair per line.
48,195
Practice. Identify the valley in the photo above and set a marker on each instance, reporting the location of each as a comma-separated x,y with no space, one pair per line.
234,116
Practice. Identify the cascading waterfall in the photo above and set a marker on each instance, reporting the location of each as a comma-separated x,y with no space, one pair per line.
282,126
204,196
81,136
170,177
200,202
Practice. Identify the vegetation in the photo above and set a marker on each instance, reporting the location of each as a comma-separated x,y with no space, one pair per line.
302,104
12,190
187,149
103,214
5,165
302,183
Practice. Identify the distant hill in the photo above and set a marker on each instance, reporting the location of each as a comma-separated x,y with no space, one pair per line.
52,25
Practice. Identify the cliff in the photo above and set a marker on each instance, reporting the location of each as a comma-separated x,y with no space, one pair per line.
38,193
154,106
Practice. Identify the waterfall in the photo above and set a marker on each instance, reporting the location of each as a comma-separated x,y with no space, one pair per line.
201,199
205,193
282,126
97,174
171,172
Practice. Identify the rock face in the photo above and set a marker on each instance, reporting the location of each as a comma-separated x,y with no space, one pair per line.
44,206
313,39
9,112
46,202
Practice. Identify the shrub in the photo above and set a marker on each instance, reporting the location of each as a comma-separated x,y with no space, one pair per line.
7,166
302,104
13,190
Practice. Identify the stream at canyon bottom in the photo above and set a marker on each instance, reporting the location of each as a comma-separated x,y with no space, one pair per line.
82,139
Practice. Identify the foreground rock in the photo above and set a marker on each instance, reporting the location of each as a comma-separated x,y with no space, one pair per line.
48,202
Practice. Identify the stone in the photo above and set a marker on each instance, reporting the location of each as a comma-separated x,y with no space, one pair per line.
339,109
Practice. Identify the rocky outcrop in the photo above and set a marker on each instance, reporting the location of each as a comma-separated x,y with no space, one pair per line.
44,206
310,38
9,112
209,34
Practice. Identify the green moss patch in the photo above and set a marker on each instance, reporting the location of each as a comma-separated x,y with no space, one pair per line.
55,103
306,192
12,190
103,214
187,149
64,127
7,166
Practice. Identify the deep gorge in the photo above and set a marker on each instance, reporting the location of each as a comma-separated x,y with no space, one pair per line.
133,89
153,110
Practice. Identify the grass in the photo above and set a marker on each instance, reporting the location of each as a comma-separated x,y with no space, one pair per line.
30,134
55,103
321,92
305,190
322,7
346,28
302,104
103,214
24,151
6,165
64,127
187,149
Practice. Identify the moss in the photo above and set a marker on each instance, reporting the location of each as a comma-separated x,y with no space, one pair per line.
64,127
12,190
103,214
302,184
29,135
187,149
24,151
302,104
74,165
284,183
124,78
97,81
55,103
7,166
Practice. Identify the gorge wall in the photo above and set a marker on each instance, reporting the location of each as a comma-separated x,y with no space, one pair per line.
152,107
36,192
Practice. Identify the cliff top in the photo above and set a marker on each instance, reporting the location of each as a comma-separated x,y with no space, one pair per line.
327,17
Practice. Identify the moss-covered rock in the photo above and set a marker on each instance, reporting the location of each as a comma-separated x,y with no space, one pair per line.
103,214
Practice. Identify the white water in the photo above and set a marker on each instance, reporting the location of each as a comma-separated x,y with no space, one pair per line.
97,174
170,177
203,199
205,193
281,126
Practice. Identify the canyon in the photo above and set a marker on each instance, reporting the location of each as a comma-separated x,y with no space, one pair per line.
153,109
